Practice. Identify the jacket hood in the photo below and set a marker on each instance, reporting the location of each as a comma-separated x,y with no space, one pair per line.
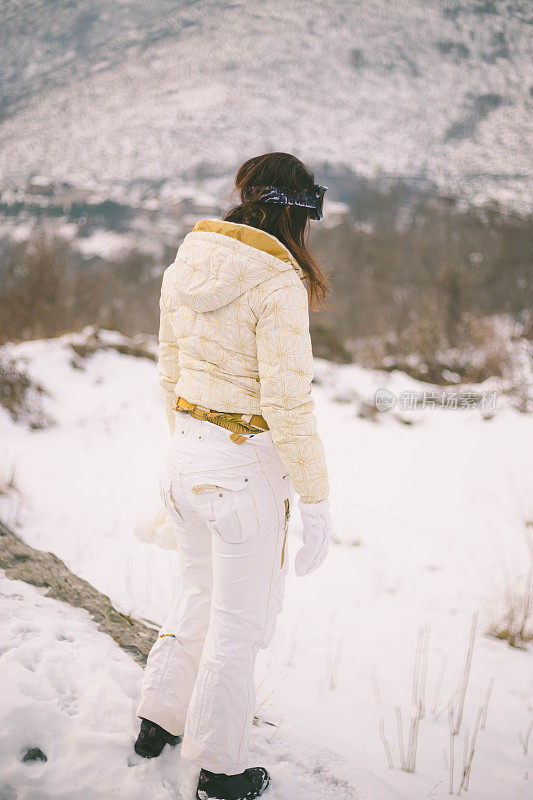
218,261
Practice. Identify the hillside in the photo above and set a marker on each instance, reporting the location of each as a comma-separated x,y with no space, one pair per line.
114,91
432,515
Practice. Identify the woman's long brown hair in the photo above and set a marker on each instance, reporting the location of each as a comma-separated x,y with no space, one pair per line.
289,224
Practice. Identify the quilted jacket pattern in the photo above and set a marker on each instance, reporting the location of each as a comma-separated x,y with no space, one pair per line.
234,336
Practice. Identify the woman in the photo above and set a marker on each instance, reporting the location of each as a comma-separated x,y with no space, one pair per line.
235,369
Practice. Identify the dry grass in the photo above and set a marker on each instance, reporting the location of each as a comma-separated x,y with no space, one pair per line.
8,483
334,652
514,623
10,495
408,748
459,776
523,738
20,395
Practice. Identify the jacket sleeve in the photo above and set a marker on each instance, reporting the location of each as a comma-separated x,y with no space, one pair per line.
167,366
285,362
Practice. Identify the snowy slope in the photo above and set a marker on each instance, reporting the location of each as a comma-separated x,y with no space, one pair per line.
429,529
120,90
72,693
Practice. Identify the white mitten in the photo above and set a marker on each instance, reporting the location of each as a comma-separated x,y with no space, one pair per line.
157,528
317,524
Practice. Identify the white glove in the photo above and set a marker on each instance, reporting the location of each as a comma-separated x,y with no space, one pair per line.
158,529
317,525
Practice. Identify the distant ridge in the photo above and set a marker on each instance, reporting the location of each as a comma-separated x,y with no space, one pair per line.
121,89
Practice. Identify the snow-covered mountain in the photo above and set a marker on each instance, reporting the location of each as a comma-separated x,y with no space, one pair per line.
121,89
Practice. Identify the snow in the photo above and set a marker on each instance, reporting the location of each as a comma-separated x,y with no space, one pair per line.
41,180
430,528
106,244
72,694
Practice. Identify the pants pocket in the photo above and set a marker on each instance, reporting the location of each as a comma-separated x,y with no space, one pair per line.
231,508
167,497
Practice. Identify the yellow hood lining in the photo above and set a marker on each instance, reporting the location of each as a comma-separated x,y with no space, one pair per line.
254,237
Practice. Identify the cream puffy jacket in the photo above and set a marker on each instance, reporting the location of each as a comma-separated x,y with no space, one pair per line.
234,336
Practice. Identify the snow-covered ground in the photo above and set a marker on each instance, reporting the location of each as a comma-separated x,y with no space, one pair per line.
71,693
430,529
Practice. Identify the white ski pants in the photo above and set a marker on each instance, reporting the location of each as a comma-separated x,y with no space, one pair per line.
230,504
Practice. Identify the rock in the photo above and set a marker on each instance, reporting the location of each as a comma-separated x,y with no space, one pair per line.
33,754
45,570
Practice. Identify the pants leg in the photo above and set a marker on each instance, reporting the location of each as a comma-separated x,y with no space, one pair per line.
249,569
173,661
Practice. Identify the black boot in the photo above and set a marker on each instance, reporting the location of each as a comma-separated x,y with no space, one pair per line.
245,786
152,738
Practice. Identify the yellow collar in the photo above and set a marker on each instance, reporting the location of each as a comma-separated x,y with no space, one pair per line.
254,237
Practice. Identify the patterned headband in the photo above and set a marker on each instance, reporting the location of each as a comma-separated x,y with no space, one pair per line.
313,199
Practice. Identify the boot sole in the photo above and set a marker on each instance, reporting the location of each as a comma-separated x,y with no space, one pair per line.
201,795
